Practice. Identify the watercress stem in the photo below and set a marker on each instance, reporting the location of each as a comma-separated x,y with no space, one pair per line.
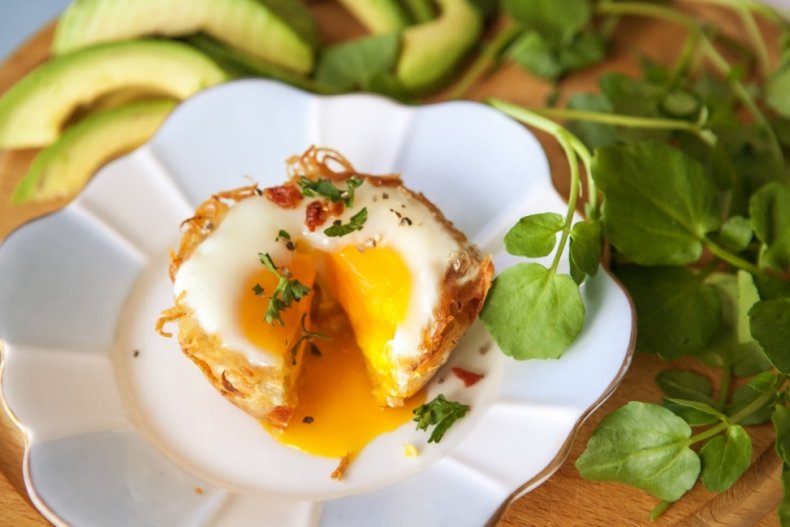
564,137
754,34
732,259
659,509
485,60
745,412
741,92
592,190
684,60
724,387
648,10
612,119
761,9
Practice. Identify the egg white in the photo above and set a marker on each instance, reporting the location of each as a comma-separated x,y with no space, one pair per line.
211,277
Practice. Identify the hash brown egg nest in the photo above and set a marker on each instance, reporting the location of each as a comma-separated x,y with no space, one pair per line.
410,283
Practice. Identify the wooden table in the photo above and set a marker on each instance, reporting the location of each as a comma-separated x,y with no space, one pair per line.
565,500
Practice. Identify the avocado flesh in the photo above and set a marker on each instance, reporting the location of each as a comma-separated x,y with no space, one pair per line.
257,27
33,111
430,51
378,16
63,168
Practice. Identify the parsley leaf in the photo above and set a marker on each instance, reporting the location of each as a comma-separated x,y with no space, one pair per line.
282,234
356,223
286,293
441,413
645,446
324,188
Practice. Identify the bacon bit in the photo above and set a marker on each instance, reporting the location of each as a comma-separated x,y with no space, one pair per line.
485,348
469,378
315,215
287,196
337,208
342,467
199,490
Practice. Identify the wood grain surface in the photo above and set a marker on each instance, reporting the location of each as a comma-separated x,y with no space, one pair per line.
565,500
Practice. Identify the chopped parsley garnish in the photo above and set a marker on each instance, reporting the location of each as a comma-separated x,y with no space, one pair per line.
441,413
282,234
356,223
308,336
286,292
324,188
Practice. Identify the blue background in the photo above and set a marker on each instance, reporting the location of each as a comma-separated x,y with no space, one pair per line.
20,19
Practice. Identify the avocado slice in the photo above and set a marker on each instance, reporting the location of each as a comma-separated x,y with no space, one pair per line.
281,31
33,111
63,168
430,51
379,16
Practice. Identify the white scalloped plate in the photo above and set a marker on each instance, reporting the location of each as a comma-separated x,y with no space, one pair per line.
121,438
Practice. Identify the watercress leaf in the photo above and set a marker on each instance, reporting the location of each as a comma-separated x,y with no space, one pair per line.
747,297
781,420
748,357
658,203
388,84
585,49
634,97
533,312
692,416
557,22
534,235
534,54
677,313
735,234
771,287
784,507
757,386
769,209
645,446
725,458
704,408
585,249
685,384
681,104
770,326
592,134
353,64
777,91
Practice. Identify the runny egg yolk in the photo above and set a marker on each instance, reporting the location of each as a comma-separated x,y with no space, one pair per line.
364,296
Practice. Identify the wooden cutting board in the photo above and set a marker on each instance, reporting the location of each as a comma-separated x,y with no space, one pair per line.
565,500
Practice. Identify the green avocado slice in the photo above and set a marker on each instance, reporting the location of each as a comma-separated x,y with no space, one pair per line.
379,16
281,31
33,111
63,168
430,51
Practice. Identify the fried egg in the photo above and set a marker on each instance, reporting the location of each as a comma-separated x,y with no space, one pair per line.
387,301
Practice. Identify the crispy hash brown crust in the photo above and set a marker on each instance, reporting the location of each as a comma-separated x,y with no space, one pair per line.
268,392
463,294
260,391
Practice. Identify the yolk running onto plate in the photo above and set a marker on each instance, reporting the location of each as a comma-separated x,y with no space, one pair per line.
337,414
365,296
